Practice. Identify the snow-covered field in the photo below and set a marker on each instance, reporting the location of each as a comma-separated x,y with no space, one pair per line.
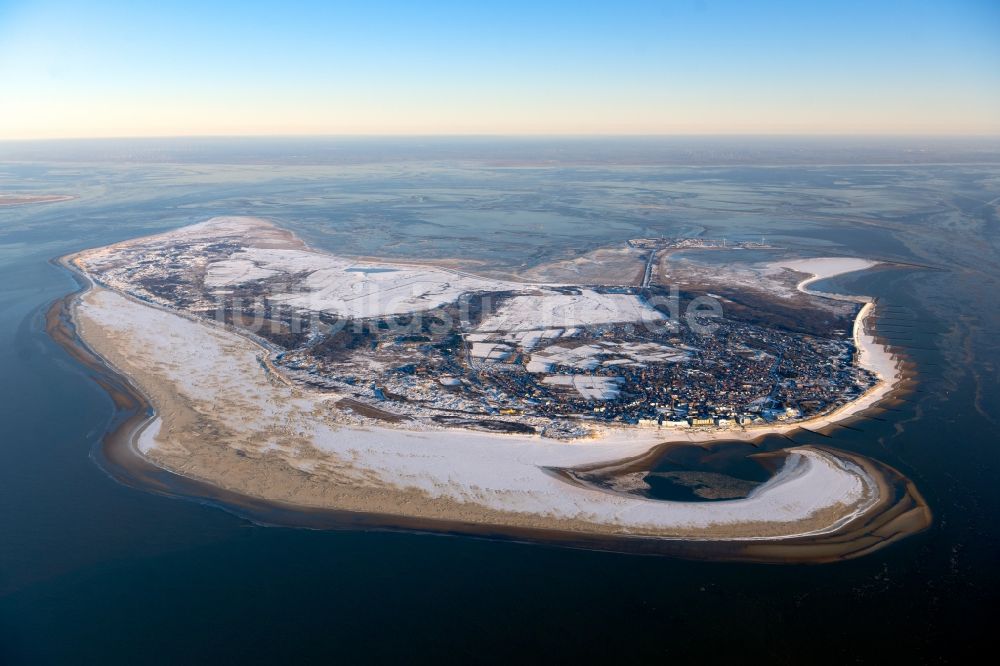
343,287
583,357
322,282
590,387
526,340
235,271
587,357
548,310
490,351
243,250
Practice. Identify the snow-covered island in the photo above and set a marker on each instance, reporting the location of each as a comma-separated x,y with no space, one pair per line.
290,375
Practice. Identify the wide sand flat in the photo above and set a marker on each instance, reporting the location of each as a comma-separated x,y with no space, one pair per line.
224,419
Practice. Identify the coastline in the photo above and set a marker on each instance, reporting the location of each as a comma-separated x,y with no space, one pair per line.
897,511
873,355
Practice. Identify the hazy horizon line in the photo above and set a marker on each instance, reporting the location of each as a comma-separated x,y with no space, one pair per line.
511,135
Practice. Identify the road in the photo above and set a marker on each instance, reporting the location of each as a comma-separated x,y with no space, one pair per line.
648,274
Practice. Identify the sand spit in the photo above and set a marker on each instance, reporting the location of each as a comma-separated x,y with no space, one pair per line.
227,431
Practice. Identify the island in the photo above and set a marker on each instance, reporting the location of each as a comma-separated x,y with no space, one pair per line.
307,388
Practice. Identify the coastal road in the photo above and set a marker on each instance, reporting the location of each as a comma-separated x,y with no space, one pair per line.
648,273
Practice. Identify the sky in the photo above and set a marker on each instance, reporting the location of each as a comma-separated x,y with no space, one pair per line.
179,68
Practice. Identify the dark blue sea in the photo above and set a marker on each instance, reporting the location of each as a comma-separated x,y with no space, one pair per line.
92,571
